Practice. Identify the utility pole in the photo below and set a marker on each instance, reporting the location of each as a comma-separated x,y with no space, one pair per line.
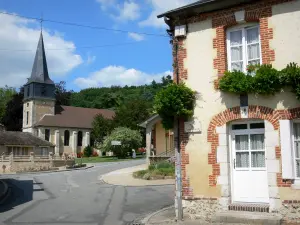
178,184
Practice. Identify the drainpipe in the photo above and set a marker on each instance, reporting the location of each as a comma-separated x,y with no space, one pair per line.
178,201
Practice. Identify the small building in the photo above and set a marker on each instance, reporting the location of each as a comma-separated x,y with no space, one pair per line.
246,156
159,141
67,127
20,143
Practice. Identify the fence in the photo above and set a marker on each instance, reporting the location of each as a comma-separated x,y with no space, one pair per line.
32,162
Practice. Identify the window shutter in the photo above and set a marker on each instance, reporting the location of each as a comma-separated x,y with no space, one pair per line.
286,149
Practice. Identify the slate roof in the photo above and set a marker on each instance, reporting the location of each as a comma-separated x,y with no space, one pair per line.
73,117
39,72
22,138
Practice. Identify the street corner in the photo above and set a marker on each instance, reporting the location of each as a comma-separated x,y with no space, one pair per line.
124,177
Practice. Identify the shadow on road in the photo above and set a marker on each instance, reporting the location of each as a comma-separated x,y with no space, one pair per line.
21,191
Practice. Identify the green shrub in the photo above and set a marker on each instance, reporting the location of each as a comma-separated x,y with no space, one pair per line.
88,151
174,101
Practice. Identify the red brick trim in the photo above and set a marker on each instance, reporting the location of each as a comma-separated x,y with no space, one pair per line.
291,201
181,55
255,112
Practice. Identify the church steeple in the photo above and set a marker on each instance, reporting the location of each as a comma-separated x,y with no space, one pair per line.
40,70
39,85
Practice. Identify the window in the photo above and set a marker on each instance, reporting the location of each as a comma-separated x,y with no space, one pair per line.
44,151
47,134
28,92
17,151
67,138
297,148
27,117
79,138
243,48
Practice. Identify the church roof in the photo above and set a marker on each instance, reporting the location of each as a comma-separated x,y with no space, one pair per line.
22,139
73,117
39,72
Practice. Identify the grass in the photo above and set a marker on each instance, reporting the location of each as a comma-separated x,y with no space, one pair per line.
102,159
159,170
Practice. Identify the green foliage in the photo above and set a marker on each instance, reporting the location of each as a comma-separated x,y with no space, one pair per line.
158,170
130,139
266,80
88,151
13,116
101,128
62,96
133,113
6,94
174,101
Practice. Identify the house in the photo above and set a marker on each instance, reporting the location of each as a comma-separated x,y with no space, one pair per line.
246,155
20,143
67,127
159,141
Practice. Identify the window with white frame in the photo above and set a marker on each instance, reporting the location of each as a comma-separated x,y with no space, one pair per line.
243,47
296,131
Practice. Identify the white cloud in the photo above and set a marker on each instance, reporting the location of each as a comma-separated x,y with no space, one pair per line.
118,75
129,10
161,6
136,37
18,34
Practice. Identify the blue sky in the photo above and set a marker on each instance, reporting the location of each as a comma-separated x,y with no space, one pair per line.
141,60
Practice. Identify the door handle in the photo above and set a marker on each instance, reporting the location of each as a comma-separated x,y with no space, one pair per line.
233,163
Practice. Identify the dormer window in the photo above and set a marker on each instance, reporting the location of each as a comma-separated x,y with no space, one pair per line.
243,47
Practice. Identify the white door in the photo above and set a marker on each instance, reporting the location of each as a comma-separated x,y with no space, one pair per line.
249,172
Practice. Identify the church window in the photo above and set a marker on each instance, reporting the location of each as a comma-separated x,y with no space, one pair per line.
67,138
27,117
79,139
47,134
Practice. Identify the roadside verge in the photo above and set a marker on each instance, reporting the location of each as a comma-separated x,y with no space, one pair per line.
123,177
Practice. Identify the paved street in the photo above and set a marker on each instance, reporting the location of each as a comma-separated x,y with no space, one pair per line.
79,197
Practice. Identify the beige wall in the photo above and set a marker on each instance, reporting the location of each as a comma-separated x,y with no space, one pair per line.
37,109
160,133
286,33
67,149
201,74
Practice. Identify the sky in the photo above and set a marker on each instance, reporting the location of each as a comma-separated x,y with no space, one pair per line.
85,57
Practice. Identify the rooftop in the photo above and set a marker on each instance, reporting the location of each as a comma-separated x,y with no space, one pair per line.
21,139
74,117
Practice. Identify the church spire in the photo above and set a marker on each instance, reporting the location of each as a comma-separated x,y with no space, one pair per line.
39,72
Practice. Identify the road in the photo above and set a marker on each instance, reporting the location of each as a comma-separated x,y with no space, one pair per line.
79,197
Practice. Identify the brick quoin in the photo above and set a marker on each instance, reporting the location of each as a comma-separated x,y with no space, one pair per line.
254,112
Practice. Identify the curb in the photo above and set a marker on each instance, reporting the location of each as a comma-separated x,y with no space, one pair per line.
55,171
5,193
147,218
119,185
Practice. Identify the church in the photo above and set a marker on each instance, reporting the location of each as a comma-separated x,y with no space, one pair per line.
68,128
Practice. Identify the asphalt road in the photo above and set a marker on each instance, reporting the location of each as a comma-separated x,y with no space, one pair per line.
79,197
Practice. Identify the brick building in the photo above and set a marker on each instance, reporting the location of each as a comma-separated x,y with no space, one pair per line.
246,156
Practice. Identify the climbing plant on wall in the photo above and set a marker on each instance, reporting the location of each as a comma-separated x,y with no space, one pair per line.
262,79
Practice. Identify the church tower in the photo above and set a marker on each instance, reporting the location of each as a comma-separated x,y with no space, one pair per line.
39,96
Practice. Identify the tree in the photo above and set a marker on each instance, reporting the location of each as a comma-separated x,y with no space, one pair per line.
13,116
130,139
101,128
132,113
62,96
6,94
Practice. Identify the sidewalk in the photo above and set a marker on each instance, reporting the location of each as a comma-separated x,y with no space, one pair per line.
124,177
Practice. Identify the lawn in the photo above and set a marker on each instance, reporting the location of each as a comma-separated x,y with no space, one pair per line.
103,159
